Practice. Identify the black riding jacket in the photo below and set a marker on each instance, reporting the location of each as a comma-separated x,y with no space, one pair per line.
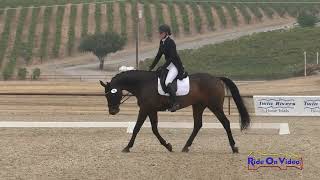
168,48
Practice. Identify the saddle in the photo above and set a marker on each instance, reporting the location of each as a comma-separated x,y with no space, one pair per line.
180,84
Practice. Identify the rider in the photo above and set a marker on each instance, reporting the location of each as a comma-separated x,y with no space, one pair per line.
173,63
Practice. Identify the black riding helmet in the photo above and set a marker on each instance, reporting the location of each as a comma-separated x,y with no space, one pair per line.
165,28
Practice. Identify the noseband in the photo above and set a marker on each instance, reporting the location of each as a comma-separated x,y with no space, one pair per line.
121,102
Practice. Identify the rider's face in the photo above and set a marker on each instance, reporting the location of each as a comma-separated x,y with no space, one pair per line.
162,35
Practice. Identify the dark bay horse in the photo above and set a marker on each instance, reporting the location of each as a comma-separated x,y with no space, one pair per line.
206,91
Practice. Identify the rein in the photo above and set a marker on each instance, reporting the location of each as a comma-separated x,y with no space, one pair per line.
123,96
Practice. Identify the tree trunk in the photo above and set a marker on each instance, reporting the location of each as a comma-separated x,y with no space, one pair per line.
101,59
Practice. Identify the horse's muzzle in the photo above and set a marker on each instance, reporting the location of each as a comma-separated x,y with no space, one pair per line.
114,111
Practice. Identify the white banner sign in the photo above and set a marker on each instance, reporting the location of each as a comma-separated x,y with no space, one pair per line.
287,105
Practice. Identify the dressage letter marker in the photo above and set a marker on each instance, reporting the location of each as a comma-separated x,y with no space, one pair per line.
283,127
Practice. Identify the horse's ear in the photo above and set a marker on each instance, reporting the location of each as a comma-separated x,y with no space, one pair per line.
102,84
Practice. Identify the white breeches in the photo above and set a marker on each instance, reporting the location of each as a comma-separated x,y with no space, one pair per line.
172,74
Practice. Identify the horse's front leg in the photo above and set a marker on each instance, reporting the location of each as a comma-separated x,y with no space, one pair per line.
153,116
141,118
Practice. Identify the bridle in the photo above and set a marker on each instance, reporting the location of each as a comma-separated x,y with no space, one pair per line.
128,96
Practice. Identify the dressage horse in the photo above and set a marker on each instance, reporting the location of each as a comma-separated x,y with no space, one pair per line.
206,91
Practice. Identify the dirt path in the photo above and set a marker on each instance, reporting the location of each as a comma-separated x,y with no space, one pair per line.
64,31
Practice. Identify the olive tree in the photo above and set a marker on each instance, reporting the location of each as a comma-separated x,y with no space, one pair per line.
102,44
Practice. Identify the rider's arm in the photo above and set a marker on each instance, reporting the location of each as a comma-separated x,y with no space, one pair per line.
157,58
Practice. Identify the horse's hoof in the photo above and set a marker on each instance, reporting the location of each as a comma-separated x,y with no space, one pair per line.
185,149
125,150
169,147
235,150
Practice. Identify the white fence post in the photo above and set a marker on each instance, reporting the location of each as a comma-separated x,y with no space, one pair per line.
305,63
317,57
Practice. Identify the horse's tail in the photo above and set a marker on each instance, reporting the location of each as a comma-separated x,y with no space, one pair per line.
244,115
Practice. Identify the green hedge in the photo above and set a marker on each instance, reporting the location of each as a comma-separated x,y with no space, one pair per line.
148,19
71,31
110,16
45,33
57,42
196,15
84,20
221,14
207,9
244,11
97,16
232,12
134,15
159,12
5,34
185,17
173,18
123,17
32,33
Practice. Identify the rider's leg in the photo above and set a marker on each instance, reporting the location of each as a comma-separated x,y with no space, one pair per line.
172,74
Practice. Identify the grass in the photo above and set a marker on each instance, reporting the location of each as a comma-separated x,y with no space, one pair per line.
267,55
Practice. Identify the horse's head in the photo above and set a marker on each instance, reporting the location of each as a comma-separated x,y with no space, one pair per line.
114,96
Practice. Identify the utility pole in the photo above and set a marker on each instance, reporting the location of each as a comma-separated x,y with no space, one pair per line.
137,36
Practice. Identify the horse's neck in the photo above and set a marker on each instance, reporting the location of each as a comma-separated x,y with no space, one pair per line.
133,81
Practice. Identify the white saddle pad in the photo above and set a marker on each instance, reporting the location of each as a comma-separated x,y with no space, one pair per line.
183,87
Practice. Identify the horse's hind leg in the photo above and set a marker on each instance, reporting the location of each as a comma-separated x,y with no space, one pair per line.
226,124
154,124
197,116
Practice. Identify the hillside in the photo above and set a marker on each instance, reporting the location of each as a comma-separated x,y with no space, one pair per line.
35,35
267,55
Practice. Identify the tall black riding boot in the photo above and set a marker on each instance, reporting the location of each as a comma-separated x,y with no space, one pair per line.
173,100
